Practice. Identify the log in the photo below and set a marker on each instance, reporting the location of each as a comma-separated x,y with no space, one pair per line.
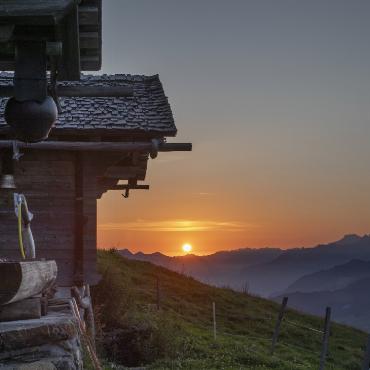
26,309
24,279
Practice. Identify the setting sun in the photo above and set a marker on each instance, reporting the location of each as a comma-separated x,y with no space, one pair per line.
187,248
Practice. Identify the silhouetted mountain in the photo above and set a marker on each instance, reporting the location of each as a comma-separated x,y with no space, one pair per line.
332,279
221,268
350,305
265,271
275,276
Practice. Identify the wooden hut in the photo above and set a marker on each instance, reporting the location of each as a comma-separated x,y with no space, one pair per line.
96,142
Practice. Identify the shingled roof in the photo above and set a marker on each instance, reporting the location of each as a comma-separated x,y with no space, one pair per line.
147,112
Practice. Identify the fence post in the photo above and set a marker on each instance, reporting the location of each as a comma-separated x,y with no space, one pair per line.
325,339
278,324
214,320
366,363
158,295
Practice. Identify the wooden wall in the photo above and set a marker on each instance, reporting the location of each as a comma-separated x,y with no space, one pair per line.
47,179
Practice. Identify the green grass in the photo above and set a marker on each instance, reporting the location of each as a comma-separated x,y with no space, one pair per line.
179,335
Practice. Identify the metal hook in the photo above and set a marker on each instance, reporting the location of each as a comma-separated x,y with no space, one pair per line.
16,153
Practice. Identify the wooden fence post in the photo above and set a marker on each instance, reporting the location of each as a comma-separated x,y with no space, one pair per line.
278,324
366,363
325,339
158,294
214,320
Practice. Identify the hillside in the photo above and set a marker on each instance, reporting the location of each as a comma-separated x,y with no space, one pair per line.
337,277
133,331
350,305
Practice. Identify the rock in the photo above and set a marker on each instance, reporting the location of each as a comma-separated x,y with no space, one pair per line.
38,365
51,342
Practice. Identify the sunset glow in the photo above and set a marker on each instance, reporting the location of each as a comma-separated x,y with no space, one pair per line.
280,136
187,248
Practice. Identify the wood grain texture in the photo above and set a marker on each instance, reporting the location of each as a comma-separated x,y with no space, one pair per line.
21,280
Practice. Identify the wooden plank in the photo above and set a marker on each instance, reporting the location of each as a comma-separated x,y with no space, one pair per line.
89,40
68,32
89,63
88,15
24,279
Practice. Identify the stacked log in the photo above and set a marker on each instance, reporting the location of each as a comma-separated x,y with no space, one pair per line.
21,286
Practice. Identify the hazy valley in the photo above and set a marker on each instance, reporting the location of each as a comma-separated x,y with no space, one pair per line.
334,274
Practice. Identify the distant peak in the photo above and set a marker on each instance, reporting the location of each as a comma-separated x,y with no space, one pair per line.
349,239
125,252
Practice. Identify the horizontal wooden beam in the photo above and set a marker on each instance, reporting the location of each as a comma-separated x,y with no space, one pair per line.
129,187
102,146
82,91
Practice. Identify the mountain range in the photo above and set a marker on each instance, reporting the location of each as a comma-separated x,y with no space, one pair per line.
332,274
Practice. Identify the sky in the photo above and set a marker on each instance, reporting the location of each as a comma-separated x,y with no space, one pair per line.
275,97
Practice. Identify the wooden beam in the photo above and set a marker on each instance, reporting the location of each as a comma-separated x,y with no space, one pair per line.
24,279
67,32
88,15
79,221
130,187
89,40
136,146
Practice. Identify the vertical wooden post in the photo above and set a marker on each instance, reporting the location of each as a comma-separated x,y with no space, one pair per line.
325,339
214,320
158,295
79,221
275,336
366,363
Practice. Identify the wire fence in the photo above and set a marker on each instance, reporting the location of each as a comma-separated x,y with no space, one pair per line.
280,322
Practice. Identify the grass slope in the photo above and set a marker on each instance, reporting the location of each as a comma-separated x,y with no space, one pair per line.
179,335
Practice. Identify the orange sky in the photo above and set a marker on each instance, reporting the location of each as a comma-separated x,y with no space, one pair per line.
275,98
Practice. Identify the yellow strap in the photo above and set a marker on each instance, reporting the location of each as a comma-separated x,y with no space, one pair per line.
20,238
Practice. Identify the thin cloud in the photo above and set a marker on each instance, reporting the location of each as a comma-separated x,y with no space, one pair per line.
177,226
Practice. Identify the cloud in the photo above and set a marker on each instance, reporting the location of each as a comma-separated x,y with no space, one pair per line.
176,226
